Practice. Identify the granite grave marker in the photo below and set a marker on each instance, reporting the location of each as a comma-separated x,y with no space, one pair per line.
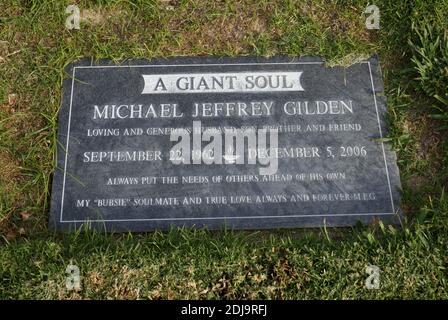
118,167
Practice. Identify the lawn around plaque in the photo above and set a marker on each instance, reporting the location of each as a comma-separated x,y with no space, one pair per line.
102,128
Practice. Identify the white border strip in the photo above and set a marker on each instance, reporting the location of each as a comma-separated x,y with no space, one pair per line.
382,143
220,218
243,217
68,140
199,65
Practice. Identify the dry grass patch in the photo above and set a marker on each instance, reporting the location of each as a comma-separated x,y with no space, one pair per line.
101,16
9,171
10,177
216,27
427,144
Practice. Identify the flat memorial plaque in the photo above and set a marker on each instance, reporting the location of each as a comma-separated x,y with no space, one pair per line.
145,145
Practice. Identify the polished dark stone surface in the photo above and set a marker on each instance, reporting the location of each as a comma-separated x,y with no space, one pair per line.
336,189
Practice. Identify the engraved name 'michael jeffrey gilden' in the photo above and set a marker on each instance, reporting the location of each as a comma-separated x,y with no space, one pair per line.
222,109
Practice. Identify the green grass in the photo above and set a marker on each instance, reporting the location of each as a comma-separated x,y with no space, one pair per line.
235,265
430,59
34,48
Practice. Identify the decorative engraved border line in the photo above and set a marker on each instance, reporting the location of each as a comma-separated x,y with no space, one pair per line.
381,136
221,218
242,217
199,65
68,140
